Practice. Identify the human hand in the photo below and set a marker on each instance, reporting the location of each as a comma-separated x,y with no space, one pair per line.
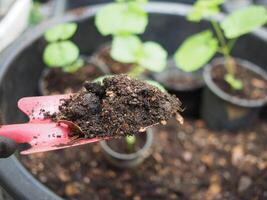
7,147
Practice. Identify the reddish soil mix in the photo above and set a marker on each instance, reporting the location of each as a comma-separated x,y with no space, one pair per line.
57,81
114,66
254,85
121,106
188,162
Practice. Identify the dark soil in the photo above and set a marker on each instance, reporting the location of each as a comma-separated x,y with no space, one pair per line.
114,66
254,85
119,107
120,145
57,81
187,162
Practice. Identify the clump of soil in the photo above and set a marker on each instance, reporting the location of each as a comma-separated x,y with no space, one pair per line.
121,106
254,85
57,81
113,65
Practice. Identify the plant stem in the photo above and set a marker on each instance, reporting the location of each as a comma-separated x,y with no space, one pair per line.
225,50
136,71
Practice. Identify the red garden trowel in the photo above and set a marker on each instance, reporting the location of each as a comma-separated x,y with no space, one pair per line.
40,133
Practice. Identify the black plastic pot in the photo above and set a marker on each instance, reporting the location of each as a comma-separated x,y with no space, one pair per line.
128,160
21,67
222,111
189,94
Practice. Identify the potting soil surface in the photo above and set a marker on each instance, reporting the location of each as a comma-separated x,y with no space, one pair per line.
187,162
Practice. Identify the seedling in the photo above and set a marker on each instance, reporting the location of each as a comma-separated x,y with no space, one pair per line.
199,49
124,19
60,51
130,140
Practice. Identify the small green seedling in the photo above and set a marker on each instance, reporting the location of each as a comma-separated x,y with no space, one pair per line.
123,19
130,141
60,51
144,55
200,48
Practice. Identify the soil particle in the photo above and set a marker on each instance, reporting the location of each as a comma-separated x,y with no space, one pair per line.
121,106
254,85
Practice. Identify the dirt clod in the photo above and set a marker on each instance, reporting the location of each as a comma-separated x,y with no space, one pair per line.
121,106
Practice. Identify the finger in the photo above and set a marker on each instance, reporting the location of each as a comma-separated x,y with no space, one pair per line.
7,147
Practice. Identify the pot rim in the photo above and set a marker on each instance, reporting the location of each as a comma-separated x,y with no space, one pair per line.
171,70
230,98
131,156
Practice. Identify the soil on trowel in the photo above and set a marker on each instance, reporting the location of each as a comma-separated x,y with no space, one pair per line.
254,85
120,106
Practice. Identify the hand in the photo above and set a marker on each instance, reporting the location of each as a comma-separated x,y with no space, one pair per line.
7,147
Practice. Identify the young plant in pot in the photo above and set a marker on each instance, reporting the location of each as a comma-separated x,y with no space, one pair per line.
235,88
66,68
127,53
132,150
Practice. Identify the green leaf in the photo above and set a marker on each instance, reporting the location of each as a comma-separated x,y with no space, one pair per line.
125,49
60,32
244,21
153,57
204,8
60,54
72,68
233,82
121,18
156,84
196,51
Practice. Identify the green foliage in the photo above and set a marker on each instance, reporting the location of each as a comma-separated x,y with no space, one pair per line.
196,51
130,49
77,64
60,32
60,54
121,18
244,21
130,140
204,8
126,49
233,82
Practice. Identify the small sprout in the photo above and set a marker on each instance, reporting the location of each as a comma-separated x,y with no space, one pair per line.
122,17
236,84
130,49
60,32
200,48
60,52
130,140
